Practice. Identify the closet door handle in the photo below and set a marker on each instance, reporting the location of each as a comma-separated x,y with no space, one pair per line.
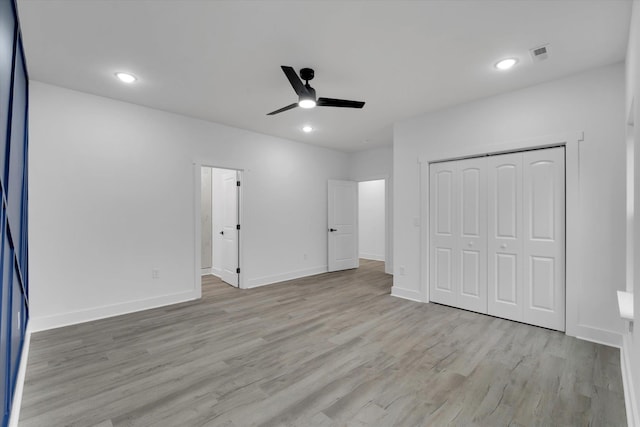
222,233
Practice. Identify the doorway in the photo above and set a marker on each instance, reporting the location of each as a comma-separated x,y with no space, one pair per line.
372,220
359,227
220,224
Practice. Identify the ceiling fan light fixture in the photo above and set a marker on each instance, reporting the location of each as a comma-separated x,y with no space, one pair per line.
307,103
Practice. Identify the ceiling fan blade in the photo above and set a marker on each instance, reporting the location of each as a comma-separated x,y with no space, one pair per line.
331,102
295,81
288,107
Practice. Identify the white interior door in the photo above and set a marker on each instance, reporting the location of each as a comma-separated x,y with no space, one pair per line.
505,267
471,260
458,276
443,218
343,225
544,235
229,232
497,230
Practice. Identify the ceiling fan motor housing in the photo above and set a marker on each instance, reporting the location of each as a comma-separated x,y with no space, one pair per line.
306,74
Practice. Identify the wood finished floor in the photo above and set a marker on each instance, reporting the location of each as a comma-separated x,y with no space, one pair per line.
329,350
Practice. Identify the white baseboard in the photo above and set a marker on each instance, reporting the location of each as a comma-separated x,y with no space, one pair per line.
630,402
406,294
14,415
373,257
599,336
81,316
268,280
216,271
206,271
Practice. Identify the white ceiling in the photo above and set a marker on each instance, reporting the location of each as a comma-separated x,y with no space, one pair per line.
220,60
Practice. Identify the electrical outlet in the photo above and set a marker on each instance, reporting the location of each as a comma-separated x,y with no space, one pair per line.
155,274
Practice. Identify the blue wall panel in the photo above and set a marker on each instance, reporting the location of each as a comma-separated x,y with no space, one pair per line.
16,150
7,38
14,296
5,313
16,328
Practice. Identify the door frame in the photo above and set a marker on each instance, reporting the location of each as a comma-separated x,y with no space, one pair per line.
571,142
197,167
388,218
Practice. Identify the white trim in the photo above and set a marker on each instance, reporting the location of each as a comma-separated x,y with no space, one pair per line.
526,144
373,257
409,294
206,271
572,210
276,278
599,336
14,414
71,318
423,187
216,272
630,402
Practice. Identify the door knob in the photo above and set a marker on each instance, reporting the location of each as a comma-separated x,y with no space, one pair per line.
470,243
503,246
333,229
222,233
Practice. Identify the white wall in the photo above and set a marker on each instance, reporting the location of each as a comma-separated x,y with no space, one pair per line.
112,196
591,102
372,164
631,347
206,223
371,219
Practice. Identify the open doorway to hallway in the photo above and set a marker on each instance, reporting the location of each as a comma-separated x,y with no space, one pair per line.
220,224
372,220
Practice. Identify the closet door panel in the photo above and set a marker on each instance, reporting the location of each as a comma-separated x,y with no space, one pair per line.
444,231
472,253
504,241
544,233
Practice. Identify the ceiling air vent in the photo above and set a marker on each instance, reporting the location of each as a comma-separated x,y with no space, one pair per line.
539,53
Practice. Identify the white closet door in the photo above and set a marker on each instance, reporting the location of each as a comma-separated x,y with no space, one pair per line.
443,218
471,258
505,241
544,235
458,234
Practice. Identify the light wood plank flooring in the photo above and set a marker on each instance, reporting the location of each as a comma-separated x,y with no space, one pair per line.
329,350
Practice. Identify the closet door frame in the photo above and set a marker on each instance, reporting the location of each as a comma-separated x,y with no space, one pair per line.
571,142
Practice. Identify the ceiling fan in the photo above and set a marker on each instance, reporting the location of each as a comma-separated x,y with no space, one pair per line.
307,94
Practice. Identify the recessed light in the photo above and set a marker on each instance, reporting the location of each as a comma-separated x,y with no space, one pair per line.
126,77
505,64
307,129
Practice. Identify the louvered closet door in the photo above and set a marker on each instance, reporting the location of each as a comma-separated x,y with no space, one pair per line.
458,234
544,235
505,241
